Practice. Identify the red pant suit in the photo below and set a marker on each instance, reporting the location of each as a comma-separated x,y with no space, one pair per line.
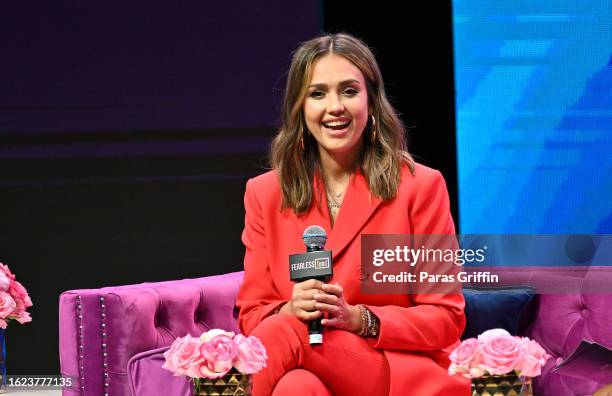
413,328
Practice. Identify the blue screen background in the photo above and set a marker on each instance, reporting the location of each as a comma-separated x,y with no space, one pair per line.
534,115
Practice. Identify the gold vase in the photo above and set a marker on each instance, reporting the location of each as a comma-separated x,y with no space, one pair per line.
233,383
501,385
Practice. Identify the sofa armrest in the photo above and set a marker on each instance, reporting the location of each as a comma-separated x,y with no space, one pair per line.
101,329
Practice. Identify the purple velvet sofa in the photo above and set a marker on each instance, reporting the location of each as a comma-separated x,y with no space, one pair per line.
109,337
112,339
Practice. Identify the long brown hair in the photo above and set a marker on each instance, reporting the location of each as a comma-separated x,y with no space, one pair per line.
383,152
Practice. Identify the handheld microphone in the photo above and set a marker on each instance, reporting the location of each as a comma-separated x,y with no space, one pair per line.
316,263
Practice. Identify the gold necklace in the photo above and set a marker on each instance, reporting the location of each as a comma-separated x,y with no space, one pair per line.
331,201
333,204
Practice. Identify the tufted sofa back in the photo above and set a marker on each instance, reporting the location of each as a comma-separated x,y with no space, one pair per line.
561,322
101,329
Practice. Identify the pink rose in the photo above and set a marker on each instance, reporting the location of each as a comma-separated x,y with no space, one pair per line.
20,294
465,353
533,358
500,352
251,354
168,355
466,359
181,354
212,333
5,269
5,282
214,357
490,334
23,317
7,305
14,298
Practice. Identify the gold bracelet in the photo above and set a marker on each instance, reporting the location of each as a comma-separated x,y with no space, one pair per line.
369,328
369,323
364,320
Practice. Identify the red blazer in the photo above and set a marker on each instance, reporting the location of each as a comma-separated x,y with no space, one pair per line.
410,325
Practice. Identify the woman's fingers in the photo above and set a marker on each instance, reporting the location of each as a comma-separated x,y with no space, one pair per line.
312,298
307,305
307,310
310,284
326,298
305,295
329,322
332,288
330,308
308,315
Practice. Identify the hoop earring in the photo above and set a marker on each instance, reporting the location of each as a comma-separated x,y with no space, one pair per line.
373,135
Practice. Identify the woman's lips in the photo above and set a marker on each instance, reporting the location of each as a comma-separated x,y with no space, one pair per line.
337,132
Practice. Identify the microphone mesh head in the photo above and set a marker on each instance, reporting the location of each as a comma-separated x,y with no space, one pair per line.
314,235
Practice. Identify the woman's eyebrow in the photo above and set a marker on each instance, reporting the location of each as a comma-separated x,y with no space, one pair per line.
345,82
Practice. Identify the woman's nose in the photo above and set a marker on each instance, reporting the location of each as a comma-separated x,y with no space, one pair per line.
335,104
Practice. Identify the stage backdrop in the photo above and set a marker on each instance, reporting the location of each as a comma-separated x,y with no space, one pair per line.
534,115
127,133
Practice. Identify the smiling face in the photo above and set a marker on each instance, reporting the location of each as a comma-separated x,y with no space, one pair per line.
336,106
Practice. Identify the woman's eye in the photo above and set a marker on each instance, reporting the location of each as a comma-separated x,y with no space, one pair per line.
320,94
316,94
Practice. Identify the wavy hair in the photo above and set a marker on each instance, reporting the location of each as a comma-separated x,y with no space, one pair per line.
382,153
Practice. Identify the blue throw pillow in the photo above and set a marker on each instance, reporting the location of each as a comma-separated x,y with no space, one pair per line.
492,308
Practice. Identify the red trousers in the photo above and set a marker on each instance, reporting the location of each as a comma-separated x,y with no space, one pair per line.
345,364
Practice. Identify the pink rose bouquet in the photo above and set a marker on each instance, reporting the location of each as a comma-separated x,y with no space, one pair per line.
496,352
14,299
214,354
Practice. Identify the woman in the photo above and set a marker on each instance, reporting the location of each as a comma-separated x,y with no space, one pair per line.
339,161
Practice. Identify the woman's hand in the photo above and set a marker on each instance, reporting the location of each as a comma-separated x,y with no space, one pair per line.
341,315
302,304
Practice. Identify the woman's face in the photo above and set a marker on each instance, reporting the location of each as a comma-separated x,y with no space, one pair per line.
336,105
